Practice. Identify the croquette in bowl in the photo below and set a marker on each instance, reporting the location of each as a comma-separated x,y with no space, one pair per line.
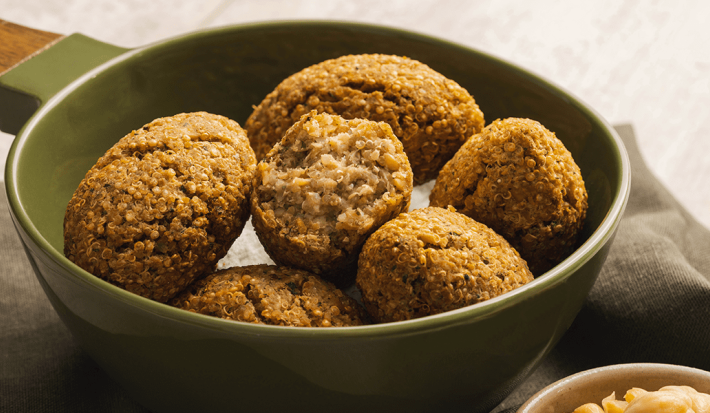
518,178
431,114
269,294
324,188
163,205
433,260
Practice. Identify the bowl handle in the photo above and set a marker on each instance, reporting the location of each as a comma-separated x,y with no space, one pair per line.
35,65
21,43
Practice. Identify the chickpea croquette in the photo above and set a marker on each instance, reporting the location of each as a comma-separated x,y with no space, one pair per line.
268,294
521,181
324,188
163,205
433,260
430,114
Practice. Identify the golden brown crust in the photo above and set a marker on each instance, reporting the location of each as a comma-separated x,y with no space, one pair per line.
324,188
520,180
433,260
268,294
430,114
163,205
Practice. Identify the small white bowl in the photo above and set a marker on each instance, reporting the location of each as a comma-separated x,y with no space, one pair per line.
593,385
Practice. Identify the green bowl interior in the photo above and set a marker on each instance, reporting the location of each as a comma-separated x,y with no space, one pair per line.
227,71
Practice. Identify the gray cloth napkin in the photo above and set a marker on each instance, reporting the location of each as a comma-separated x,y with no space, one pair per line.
651,303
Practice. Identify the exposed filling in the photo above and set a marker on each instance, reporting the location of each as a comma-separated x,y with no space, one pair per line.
332,175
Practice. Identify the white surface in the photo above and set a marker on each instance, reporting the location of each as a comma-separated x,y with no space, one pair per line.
636,61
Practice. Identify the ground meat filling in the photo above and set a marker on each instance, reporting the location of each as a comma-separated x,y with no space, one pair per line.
330,182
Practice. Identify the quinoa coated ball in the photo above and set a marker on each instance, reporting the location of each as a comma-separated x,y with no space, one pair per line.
324,188
430,114
520,180
433,260
269,294
163,205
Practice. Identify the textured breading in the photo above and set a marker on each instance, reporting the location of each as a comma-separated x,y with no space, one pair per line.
163,205
430,114
433,260
518,178
324,188
268,294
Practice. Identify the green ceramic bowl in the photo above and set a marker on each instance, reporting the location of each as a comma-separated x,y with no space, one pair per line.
91,94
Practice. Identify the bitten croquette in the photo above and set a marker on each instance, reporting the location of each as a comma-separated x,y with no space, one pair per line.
433,260
324,188
431,114
268,294
163,205
518,178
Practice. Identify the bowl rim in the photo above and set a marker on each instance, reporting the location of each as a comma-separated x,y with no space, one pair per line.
600,236
569,382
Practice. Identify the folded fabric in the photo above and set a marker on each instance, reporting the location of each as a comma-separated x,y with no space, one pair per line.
651,303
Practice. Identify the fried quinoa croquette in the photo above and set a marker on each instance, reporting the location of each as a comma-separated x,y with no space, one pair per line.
433,260
324,188
163,205
268,294
430,114
518,178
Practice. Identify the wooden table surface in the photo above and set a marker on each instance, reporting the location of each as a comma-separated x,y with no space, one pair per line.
636,61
